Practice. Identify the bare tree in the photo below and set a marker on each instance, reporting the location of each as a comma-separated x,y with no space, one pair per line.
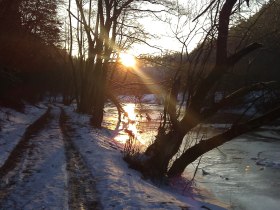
96,39
104,28
170,136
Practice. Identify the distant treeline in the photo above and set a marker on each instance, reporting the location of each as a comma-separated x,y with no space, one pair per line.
264,28
261,65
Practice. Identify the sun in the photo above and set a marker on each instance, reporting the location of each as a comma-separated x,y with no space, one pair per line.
127,60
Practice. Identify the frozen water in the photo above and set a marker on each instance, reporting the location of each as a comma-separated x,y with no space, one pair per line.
244,173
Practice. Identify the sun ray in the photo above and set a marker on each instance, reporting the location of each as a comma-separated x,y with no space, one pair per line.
155,88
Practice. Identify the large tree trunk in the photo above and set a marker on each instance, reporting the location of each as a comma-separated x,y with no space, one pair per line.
167,144
99,95
160,153
99,53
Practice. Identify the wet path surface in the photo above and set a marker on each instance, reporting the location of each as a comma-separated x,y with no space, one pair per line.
44,171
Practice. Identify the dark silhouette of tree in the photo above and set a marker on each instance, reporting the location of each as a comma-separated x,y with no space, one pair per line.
104,29
40,17
170,136
29,38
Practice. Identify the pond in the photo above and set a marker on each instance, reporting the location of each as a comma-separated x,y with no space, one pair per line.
244,173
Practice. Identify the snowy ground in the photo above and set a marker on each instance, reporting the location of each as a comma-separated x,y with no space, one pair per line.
13,125
119,186
65,164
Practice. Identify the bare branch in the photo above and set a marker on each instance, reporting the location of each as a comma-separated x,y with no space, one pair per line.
206,145
143,41
205,10
237,94
240,54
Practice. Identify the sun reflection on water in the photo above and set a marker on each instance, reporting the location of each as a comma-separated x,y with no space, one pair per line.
129,126
141,121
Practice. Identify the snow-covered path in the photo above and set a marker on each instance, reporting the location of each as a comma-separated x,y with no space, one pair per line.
38,179
14,126
66,164
81,183
45,171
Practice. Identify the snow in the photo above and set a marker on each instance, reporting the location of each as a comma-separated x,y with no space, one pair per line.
45,183
42,184
151,99
119,186
145,98
13,125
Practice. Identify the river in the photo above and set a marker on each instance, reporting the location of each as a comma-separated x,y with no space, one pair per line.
243,173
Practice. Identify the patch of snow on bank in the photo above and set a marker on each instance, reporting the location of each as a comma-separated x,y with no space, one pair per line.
151,99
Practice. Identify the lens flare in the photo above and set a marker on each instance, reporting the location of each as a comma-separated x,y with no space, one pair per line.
127,60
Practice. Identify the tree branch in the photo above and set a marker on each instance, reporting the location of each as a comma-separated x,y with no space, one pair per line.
141,40
240,54
204,146
233,96
205,10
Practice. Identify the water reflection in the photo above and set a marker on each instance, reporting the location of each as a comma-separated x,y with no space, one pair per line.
139,121
128,126
232,173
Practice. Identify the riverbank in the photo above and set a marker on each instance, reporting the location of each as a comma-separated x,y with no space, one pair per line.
121,187
243,174
44,175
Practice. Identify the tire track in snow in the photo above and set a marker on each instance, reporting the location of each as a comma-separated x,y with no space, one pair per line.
81,183
8,169
15,156
37,177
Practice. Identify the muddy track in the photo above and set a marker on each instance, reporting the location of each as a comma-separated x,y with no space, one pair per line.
16,155
10,170
81,183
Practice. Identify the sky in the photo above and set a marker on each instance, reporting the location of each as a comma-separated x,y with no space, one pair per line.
165,38
184,26
165,31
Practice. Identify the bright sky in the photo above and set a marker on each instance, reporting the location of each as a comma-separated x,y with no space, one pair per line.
166,40
183,25
165,37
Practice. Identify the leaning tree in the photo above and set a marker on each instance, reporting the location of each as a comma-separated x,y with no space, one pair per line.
156,160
